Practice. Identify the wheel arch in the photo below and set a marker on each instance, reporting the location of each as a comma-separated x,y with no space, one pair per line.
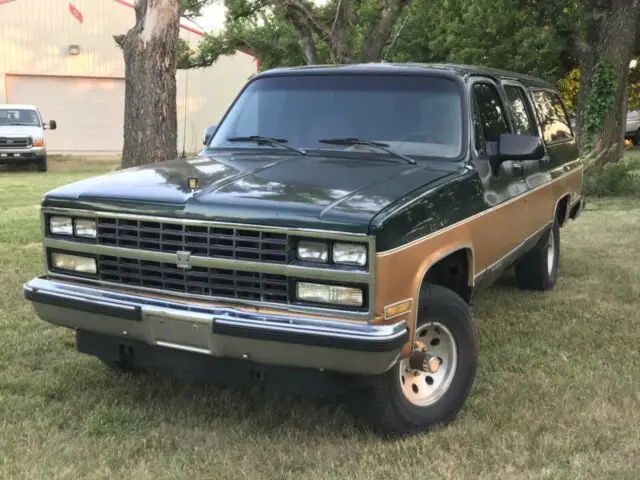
453,255
562,209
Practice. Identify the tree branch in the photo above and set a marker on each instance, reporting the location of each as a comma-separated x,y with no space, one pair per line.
306,41
306,25
378,33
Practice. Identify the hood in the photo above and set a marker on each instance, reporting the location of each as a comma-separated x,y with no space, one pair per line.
20,131
311,191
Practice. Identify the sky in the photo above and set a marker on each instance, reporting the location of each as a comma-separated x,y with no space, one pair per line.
212,17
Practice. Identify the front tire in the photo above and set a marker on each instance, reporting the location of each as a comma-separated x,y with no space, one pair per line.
405,401
538,269
42,164
636,138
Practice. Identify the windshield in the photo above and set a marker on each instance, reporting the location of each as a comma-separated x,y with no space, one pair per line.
413,115
19,116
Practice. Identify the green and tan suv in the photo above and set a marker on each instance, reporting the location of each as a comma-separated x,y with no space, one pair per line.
328,238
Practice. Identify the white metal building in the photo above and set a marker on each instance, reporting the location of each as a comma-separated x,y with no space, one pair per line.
61,56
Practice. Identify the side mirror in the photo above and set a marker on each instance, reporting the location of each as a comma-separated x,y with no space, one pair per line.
208,133
52,125
520,147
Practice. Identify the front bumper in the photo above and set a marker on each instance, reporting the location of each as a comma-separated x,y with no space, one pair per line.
17,155
340,346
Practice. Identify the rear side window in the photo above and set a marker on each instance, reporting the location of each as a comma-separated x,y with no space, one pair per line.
552,116
491,112
522,121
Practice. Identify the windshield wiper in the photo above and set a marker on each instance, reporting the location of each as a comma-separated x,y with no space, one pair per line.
281,142
356,141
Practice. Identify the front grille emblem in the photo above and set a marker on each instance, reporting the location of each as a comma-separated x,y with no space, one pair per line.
184,260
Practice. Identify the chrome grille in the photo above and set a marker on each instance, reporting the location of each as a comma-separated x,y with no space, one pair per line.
215,282
14,142
200,240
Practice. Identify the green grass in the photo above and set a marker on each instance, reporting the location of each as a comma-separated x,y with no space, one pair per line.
556,394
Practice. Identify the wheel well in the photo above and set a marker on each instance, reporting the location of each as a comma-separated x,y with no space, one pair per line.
452,272
561,210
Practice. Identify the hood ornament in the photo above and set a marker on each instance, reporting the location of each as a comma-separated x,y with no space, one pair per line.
193,183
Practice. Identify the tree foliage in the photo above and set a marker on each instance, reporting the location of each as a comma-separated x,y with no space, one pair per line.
568,42
294,32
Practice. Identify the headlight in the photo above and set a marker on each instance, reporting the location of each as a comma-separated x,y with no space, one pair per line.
350,254
313,251
85,228
74,263
316,292
61,225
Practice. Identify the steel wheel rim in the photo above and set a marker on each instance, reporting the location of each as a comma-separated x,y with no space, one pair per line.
421,388
551,250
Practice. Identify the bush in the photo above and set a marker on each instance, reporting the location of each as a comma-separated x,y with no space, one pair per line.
613,180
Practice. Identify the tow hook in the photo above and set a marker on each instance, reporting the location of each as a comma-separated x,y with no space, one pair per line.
424,361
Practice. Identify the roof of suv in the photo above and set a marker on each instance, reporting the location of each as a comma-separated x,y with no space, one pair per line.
415,68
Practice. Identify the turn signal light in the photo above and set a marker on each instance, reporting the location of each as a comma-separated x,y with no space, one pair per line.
396,309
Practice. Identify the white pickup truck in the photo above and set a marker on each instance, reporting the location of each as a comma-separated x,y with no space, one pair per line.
632,130
22,135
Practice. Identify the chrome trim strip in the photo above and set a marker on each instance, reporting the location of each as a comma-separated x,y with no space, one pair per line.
514,250
208,223
479,214
186,348
211,262
169,308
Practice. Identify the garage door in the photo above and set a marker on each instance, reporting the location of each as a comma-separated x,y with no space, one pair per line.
89,111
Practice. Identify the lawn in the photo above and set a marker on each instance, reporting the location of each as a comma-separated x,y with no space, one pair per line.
556,395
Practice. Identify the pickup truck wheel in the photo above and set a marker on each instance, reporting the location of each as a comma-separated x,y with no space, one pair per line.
406,400
42,164
636,138
538,269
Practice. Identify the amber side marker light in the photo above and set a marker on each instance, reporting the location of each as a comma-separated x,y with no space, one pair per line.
397,309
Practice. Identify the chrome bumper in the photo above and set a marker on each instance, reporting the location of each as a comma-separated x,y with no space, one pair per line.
357,348
16,154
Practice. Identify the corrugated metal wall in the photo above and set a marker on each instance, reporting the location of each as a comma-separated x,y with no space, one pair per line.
35,36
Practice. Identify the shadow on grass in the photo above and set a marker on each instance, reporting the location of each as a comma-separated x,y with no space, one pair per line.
146,400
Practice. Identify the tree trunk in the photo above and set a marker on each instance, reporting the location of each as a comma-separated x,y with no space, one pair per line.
379,33
150,118
612,37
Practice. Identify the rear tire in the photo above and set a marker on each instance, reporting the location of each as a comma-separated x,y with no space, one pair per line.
42,164
403,401
538,269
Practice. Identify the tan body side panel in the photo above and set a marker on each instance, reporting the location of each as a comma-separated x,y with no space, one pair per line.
488,237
